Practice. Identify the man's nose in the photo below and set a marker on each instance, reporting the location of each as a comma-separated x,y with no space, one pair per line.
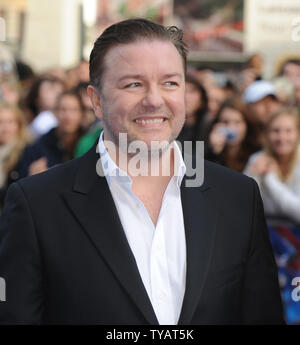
153,98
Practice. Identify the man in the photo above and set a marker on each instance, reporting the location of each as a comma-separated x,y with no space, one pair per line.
82,248
261,100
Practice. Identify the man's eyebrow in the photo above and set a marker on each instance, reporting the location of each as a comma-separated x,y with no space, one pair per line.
172,75
130,76
139,76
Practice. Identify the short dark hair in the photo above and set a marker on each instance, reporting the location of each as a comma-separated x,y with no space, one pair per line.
128,31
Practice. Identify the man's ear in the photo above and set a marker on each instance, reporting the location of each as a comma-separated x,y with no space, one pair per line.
95,99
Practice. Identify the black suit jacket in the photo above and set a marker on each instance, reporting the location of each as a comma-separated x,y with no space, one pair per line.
66,260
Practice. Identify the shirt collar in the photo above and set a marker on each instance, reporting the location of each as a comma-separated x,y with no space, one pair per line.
114,173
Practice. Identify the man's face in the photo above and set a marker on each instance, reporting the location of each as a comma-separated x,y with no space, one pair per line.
142,92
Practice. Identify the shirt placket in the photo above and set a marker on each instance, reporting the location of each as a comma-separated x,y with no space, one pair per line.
160,287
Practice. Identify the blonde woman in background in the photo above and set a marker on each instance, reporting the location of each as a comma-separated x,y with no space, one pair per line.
277,168
13,139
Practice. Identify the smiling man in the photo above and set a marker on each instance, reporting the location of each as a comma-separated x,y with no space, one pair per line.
91,242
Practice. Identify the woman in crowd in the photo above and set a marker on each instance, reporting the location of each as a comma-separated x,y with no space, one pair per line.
231,140
196,108
13,139
277,167
40,102
58,145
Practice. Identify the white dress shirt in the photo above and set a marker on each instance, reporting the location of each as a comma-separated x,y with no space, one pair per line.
160,252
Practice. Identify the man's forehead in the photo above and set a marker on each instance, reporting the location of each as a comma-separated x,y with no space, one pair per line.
133,49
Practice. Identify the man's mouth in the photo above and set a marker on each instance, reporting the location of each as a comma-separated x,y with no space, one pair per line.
150,121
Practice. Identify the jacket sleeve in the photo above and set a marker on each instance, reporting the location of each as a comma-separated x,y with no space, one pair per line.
261,301
20,264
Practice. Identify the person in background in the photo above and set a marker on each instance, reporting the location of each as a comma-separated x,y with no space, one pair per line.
256,64
25,74
91,125
26,78
41,101
89,118
13,139
72,77
196,107
285,91
231,139
252,72
9,92
291,71
56,72
216,96
276,168
59,143
83,71
261,100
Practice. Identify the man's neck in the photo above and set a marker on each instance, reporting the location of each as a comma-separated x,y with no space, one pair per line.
149,170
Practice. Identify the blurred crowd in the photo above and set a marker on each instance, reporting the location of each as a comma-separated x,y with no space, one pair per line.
45,120
251,125
248,124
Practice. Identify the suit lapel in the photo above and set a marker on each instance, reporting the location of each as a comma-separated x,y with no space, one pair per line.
93,206
199,211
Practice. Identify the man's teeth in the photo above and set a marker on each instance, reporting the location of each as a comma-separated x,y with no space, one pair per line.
144,122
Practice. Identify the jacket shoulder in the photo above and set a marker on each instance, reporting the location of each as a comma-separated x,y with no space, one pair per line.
56,179
217,175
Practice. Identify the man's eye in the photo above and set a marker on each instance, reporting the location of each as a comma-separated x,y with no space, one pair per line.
171,83
132,85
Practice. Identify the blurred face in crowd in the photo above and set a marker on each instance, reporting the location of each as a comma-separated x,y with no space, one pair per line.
69,114
297,94
292,72
58,73
234,120
83,71
193,101
216,96
256,62
263,109
8,126
205,77
48,94
89,115
9,93
144,96
283,135
72,77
